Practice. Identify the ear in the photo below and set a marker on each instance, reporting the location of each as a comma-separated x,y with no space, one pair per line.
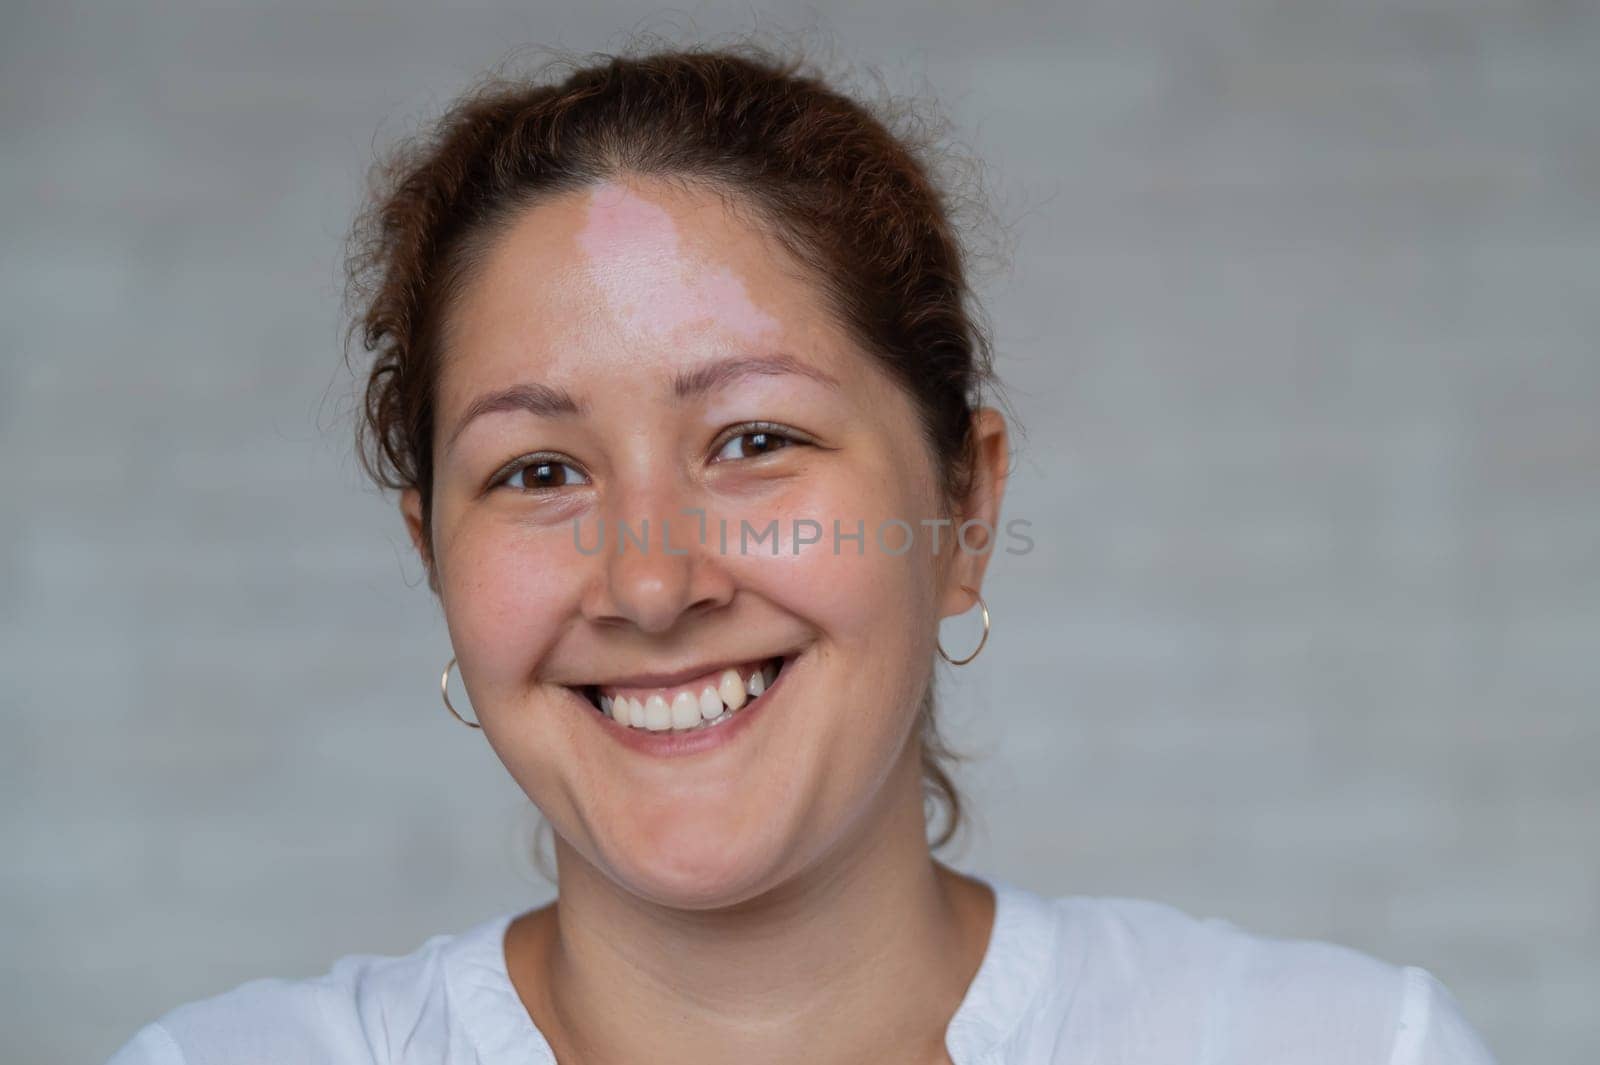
411,509
981,508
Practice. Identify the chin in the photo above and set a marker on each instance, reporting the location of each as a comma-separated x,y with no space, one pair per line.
697,863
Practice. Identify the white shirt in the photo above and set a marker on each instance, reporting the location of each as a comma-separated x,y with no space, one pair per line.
1077,979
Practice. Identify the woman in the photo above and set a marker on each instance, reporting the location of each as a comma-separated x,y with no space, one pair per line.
677,375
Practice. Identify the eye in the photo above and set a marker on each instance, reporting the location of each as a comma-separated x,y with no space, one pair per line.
754,440
539,473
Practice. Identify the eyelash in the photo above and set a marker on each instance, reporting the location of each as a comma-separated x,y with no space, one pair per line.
528,462
782,432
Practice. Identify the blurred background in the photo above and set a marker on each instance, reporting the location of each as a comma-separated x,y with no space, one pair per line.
1298,305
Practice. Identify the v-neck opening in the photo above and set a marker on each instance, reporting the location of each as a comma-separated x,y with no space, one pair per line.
1004,986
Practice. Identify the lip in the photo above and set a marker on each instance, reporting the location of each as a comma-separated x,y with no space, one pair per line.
670,744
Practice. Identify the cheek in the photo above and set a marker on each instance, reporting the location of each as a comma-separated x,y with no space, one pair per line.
867,603
867,597
503,595
869,569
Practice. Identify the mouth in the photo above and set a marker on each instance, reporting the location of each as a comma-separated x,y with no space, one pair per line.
694,705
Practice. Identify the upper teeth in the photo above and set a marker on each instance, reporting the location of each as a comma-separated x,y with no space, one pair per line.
665,710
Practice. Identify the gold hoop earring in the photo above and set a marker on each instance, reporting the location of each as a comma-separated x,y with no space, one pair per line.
444,690
985,639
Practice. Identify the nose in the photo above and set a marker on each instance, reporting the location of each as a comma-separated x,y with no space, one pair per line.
656,563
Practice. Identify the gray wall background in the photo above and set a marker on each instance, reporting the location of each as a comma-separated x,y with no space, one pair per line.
1301,317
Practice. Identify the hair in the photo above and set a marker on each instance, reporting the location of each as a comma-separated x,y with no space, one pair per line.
817,170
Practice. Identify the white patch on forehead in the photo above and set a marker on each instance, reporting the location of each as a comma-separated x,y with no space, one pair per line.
650,283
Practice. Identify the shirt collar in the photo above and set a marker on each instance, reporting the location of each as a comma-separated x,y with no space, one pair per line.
1014,970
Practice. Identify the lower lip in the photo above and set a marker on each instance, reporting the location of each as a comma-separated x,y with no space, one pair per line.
669,744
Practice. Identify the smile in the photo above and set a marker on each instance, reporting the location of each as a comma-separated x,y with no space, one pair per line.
697,703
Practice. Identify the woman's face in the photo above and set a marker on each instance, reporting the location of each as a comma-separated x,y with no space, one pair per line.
617,325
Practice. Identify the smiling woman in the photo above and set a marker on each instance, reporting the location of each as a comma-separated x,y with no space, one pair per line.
692,297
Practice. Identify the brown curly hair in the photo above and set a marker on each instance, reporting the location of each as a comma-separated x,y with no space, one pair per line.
815,168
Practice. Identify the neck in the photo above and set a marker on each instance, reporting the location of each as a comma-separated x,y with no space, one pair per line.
864,956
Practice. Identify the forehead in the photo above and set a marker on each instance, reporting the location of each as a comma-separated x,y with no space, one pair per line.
629,276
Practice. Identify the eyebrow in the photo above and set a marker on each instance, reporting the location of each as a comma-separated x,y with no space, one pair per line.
546,401
540,400
702,379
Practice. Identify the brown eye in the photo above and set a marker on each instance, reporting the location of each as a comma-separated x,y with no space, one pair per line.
753,443
543,475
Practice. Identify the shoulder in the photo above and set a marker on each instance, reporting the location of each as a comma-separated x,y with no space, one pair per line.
1174,982
367,1008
